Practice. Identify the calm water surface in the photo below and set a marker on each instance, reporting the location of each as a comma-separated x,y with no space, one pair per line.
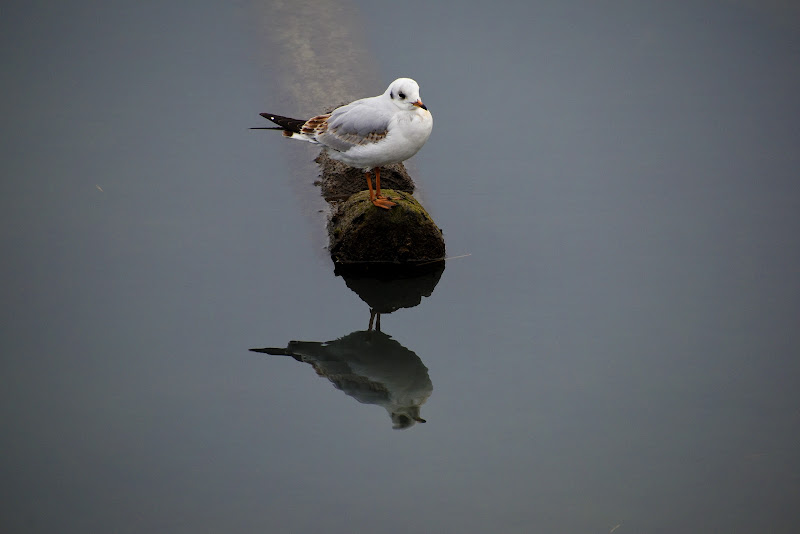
618,351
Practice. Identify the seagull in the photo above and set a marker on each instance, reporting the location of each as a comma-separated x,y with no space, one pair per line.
367,133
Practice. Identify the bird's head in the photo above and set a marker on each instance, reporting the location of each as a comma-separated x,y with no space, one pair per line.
404,93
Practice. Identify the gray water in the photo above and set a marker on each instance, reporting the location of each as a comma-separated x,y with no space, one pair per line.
614,346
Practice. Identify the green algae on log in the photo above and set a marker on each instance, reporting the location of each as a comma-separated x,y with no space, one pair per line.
361,233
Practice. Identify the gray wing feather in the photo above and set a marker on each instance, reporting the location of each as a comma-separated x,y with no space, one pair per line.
353,125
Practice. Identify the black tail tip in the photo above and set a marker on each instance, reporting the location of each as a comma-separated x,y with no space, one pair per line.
270,350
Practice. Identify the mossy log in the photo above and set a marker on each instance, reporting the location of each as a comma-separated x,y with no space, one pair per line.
361,233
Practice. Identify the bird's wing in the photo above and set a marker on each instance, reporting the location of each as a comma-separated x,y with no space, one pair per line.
356,124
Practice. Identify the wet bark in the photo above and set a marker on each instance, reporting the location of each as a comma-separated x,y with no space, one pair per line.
361,234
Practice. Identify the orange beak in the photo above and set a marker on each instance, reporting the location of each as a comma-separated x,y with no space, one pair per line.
419,104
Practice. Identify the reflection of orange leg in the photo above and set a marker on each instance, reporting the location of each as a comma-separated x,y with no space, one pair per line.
379,200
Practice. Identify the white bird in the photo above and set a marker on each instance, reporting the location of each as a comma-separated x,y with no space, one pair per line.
368,133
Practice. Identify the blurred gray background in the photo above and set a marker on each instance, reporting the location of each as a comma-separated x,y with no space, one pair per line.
618,352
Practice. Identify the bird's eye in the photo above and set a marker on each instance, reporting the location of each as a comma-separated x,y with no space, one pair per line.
401,95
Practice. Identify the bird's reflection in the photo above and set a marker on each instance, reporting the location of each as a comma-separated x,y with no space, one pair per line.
369,365
372,368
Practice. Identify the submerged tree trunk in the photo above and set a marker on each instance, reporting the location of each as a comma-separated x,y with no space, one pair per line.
360,232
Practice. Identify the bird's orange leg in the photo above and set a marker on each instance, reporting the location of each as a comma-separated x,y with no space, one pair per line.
384,202
369,184
378,201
